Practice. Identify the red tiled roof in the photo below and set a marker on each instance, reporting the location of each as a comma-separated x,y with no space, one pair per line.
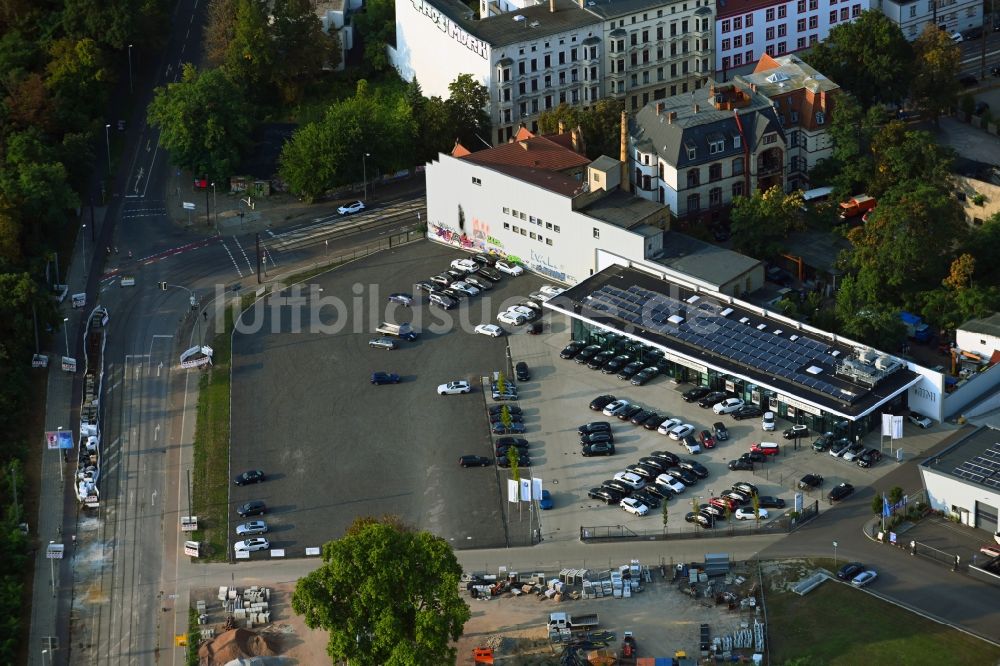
536,152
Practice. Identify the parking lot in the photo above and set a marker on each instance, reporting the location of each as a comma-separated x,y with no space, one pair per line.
333,446
564,391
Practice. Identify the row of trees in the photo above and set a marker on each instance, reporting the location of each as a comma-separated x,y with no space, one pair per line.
59,61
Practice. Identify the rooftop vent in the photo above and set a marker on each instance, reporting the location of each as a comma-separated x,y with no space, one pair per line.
519,17
793,338
726,312
814,370
777,77
693,299
745,320
675,319
778,331
761,327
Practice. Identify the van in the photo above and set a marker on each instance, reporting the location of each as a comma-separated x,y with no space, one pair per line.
856,206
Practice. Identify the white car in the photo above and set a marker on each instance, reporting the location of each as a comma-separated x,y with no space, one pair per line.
852,455
957,37
668,425
352,208
727,406
523,310
767,421
465,265
508,267
746,513
492,330
613,408
455,387
671,482
251,527
691,445
250,545
464,287
550,291
513,318
539,296
632,480
681,431
919,420
633,506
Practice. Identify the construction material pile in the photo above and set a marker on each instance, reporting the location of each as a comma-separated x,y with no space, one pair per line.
233,644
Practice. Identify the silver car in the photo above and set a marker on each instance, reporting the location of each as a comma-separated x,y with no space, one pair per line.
382,343
251,528
251,545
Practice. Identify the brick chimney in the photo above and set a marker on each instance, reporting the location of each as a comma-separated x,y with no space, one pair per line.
623,153
671,117
552,6
659,108
523,144
562,127
696,108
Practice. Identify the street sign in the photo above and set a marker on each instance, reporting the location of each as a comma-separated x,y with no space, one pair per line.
39,361
54,551
188,205
192,548
59,439
127,281
189,523
68,364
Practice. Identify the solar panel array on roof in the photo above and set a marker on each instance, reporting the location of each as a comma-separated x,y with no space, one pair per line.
984,468
702,323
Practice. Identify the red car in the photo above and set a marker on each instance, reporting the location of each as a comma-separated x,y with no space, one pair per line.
767,448
706,439
724,502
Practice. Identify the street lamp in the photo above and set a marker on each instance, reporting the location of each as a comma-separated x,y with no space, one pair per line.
107,140
44,653
364,173
66,333
215,205
84,240
834,553
131,89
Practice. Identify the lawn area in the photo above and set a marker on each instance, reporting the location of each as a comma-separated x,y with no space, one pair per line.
836,624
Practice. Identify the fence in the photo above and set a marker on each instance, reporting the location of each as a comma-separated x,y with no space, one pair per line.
782,525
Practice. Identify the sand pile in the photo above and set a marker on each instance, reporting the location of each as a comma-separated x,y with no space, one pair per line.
233,644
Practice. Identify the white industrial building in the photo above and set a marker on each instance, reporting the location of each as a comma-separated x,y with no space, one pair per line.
980,336
963,480
913,15
747,29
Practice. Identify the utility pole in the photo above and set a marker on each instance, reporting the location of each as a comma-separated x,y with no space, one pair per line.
208,218
93,225
258,258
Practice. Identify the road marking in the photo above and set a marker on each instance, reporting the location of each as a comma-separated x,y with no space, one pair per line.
249,265
156,432
235,265
154,495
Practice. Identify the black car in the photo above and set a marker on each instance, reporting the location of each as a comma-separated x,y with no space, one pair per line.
822,443
629,370
523,460
594,426
379,378
661,491
423,285
850,570
628,412
475,461
687,477
666,456
490,273
640,417
840,492
695,468
615,484
869,458
598,449
710,399
601,401
644,375
484,259
745,487
796,431
587,353
511,409
741,465
656,463
769,502
572,349
252,508
754,457
647,498
480,283
840,447
697,393
519,442
721,432
606,495
521,372
653,421
599,359
252,476
454,295
442,280
501,451
703,519
747,412
598,437
647,473
497,417
810,481
615,364
740,497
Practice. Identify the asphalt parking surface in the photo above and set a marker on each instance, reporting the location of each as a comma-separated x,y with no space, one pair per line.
333,446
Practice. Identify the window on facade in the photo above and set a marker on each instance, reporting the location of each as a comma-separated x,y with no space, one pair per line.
782,11
813,5
694,177
800,6
694,203
532,235
659,32
476,181
725,44
769,15
782,29
845,13
855,11
737,189
781,48
813,39
737,42
555,228
833,15
715,197
813,22
769,34
737,167
725,26
749,38
800,25
506,225
748,20
726,62
597,232
738,23
715,172
770,138
769,49
737,60
548,241
748,56
800,43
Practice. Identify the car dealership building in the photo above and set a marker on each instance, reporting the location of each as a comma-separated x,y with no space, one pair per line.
708,338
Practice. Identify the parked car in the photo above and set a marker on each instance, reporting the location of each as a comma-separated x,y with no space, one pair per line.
508,267
600,359
640,417
572,349
740,465
700,519
767,448
697,393
747,513
630,370
810,481
351,208
529,313
727,406
822,443
615,364
919,420
721,432
518,442
631,479
594,426
489,330
745,487
615,407
864,578
747,412
379,378
550,290
546,502
498,417
598,449
853,451
659,490
796,431
679,432
739,497
251,545
651,500
251,476
598,437
715,511
512,318
724,503
711,399
455,387
653,421
620,486
474,461
633,506
423,285
691,444
442,279
606,495
667,457
521,372
522,461
490,273
754,457
511,409
770,502
514,428
869,458
767,422
587,353
645,375
840,492
839,447
402,299
968,81
695,467
484,259
706,439
480,283
251,527
655,463
252,508
442,300
850,570
382,343
465,265
668,480
601,401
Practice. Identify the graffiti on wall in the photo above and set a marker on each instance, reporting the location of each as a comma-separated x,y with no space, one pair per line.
543,264
480,237
452,29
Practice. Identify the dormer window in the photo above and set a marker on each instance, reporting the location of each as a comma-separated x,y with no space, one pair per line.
820,117
736,141
716,146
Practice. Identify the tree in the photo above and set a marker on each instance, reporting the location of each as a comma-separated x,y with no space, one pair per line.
377,27
302,49
111,22
756,507
386,595
877,504
762,221
850,166
76,78
219,31
514,459
665,512
467,104
600,125
868,56
904,159
862,317
250,60
935,81
203,122
960,275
